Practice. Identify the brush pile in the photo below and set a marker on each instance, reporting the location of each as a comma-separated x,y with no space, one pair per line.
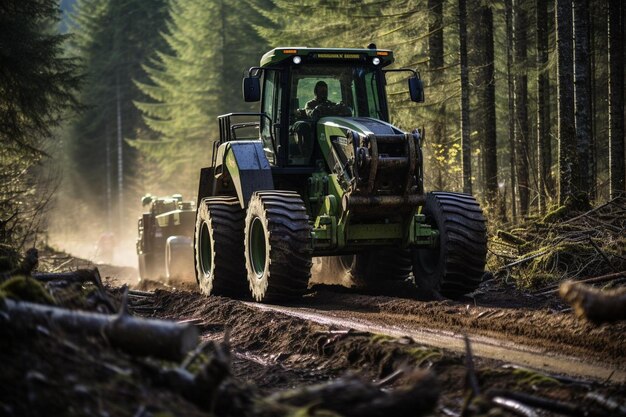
545,252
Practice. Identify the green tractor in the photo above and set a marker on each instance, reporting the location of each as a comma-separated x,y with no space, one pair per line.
324,174
165,237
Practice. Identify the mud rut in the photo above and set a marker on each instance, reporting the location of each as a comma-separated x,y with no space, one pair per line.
333,331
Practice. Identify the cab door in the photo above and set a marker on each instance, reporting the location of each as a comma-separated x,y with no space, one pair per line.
271,106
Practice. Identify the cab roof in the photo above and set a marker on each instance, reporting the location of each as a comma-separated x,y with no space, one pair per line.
285,55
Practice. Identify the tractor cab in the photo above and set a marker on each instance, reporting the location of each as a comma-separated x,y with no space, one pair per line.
286,81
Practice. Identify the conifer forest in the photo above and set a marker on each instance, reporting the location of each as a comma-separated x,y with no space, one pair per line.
460,253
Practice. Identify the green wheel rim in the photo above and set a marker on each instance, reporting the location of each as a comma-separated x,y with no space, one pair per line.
206,250
257,247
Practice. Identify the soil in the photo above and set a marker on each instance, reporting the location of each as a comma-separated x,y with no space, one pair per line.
331,335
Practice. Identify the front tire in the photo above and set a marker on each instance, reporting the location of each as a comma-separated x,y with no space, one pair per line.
277,239
218,247
456,266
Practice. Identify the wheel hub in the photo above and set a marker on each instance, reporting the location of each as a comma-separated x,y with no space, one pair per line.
257,245
206,250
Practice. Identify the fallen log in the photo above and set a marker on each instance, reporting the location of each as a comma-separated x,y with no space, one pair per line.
79,276
551,289
136,336
593,304
548,404
352,396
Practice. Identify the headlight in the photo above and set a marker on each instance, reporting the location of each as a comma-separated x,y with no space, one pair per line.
376,61
297,60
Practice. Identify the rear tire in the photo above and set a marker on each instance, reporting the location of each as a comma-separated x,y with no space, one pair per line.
456,266
277,239
218,247
178,258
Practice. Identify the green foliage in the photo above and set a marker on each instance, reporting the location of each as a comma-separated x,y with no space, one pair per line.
113,39
37,86
211,43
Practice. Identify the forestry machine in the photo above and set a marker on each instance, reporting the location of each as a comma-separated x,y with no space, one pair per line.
165,242
327,177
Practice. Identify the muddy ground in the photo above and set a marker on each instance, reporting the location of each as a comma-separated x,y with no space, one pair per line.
332,333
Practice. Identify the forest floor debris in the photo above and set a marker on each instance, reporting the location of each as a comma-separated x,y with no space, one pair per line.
253,362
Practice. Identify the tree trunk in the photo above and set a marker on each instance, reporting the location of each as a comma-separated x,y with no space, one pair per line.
487,102
137,336
582,177
435,67
509,64
616,99
465,117
520,24
565,102
544,150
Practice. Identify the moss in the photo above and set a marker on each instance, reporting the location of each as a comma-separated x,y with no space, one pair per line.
24,288
510,238
530,377
556,215
381,338
423,354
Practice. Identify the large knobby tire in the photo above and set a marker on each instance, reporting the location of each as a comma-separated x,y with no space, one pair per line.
456,266
179,258
277,240
218,247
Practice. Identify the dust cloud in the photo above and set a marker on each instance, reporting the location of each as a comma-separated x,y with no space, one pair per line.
329,270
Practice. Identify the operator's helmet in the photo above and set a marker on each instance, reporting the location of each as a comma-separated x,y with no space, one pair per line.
146,199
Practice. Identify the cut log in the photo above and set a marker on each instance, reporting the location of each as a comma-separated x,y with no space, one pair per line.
595,305
136,336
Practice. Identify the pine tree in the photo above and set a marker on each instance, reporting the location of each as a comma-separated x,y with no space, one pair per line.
465,117
544,151
211,44
522,131
114,39
37,86
566,133
582,93
616,98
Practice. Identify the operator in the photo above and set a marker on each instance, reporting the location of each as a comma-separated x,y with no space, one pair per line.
321,98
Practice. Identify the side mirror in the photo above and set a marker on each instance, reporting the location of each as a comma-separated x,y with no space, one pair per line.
251,89
416,89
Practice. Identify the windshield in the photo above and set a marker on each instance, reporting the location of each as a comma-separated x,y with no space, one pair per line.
353,86
324,90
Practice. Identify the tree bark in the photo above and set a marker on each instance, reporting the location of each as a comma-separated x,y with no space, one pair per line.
520,25
465,116
544,150
435,65
565,102
582,178
616,98
137,336
487,102
509,65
